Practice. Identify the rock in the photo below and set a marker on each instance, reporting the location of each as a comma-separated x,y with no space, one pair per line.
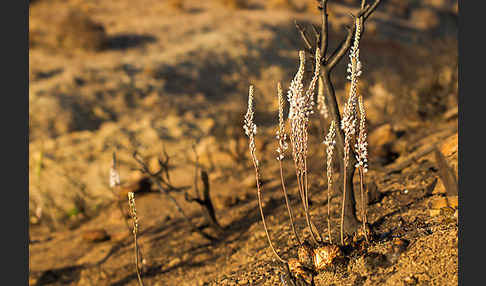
437,203
119,236
142,185
243,282
374,260
439,188
78,31
445,5
425,18
399,245
279,4
95,235
375,104
450,145
173,262
380,139
434,212
373,193
453,201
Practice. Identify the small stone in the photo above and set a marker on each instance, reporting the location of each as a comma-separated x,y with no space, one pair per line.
450,145
95,235
439,188
380,137
399,245
453,201
243,282
434,212
173,262
437,203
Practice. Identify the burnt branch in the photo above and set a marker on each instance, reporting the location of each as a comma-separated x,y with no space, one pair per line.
304,37
446,175
327,64
324,29
157,181
205,202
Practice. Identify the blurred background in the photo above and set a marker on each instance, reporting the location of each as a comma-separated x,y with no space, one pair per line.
172,76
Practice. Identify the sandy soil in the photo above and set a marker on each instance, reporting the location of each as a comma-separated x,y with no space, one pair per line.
175,82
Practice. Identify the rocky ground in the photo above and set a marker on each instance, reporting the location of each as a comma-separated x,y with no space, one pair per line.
171,82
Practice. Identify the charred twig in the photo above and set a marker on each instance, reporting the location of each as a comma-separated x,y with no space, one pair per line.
327,65
446,175
206,203
156,180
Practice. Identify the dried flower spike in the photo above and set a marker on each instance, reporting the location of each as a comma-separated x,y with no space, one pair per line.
301,107
361,145
250,131
281,135
348,123
282,147
133,214
330,143
133,211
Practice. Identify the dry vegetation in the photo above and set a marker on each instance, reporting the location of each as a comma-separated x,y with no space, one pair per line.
167,92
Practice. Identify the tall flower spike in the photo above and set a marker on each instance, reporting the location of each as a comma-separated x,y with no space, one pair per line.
301,107
296,86
250,127
133,211
250,131
362,145
330,142
281,135
348,123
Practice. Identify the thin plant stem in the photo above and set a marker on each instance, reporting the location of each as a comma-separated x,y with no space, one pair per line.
133,214
261,209
329,213
363,209
342,209
120,208
136,261
284,189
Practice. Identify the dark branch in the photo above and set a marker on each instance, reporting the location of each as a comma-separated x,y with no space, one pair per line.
206,203
304,37
365,12
324,29
157,181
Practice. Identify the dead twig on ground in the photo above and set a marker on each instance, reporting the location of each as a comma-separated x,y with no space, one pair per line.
158,181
